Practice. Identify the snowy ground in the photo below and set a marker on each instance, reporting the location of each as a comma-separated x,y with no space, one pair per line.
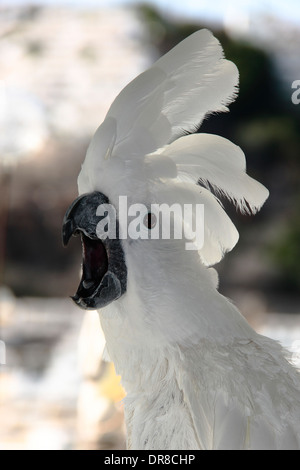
41,384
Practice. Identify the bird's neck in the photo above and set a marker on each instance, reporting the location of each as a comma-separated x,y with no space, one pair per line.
154,400
140,339
137,359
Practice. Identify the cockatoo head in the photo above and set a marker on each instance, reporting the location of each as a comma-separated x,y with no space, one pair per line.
145,155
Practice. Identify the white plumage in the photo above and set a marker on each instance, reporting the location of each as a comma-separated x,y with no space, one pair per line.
197,376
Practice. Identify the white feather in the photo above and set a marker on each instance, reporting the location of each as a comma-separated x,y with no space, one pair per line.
216,161
174,95
220,235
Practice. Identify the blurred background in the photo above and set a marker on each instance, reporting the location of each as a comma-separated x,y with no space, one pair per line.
61,65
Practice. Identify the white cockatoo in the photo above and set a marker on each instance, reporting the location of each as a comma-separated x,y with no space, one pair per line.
196,375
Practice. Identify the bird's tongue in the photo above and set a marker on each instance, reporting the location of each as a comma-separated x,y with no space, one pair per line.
94,266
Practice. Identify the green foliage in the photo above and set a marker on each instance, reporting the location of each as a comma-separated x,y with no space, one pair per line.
285,254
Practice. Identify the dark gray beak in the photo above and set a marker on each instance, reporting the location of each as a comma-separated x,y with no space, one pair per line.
104,273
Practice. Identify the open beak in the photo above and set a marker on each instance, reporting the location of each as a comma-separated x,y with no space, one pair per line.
104,273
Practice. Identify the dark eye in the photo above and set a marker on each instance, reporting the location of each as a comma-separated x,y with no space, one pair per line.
150,220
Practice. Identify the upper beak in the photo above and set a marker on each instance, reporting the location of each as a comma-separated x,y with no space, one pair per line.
104,273
81,216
